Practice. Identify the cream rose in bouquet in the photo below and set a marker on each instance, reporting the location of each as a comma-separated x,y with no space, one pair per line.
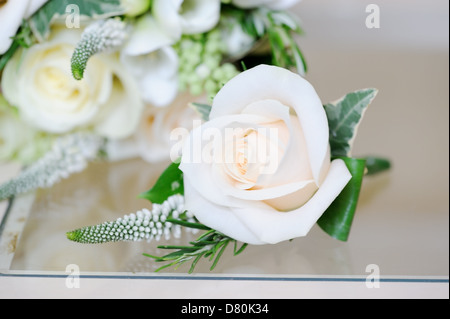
39,83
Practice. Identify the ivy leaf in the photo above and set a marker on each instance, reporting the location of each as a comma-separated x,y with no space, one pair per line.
40,22
203,109
344,117
169,183
338,218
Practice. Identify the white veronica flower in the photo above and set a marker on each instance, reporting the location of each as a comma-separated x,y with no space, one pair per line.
187,16
11,15
149,57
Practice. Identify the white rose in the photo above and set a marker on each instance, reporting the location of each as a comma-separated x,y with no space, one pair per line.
149,57
12,13
271,4
38,81
241,193
187,16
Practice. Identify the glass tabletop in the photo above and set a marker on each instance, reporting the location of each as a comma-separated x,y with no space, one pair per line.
34,242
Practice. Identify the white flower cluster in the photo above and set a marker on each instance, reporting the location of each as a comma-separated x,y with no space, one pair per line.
101,36
70,154
144,225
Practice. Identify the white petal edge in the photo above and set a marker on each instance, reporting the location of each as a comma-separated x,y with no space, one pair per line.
199,168
11,14
218,217
147,36
272,227
266,82
202,18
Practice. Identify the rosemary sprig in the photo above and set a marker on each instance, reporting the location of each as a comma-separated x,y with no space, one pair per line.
211,245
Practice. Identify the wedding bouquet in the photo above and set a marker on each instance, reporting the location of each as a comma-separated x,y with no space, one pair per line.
83,80
256,157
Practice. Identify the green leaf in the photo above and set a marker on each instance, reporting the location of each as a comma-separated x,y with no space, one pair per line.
203,109
338,218
8,54
377,165
344,117
23,38
40,22
169,183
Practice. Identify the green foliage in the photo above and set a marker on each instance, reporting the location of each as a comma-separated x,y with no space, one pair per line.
376,165
344,117
338,218
210,245
41,21
169,183
24,38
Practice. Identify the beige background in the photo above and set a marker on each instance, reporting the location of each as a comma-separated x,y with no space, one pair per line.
402,221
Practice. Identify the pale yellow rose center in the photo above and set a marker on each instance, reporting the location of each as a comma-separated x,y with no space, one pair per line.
55,83
247,155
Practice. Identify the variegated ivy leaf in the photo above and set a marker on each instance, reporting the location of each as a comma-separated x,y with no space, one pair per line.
344,117
73,10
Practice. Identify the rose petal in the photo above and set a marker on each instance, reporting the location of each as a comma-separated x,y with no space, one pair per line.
11,15
218,217
294,165
120,115
266,223
198,166
33,6
268,82
147,36
200,16
166,13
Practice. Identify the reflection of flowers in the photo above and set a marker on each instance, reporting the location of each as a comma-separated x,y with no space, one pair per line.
241,198
11,15
271,4
107,99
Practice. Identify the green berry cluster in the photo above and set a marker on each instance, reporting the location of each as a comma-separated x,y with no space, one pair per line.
201,64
